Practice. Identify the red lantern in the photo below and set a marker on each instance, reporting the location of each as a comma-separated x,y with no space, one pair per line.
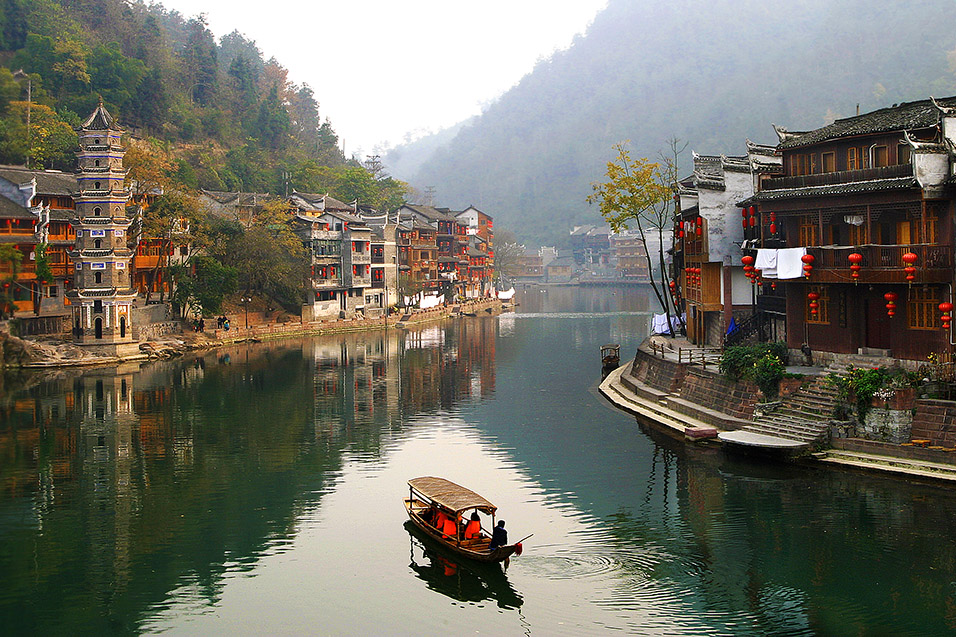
773,228
753,221
773,216
743,212
909,259
855,266
946,307
890,298
747,260
813,296
807,264
700,230
745,224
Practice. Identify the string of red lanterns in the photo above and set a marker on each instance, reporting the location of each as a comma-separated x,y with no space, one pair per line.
946,308
910,259
890,298
807,264
814,306
855,259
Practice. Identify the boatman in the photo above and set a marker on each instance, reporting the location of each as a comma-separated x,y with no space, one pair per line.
499,537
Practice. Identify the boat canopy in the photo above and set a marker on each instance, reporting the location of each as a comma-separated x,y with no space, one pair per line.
450,495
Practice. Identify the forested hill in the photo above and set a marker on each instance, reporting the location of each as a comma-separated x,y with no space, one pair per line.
229,117
711,73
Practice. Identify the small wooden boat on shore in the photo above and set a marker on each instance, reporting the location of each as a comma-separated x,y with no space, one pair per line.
611,355
439,508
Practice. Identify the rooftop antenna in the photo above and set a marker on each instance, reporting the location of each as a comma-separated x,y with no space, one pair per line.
857,108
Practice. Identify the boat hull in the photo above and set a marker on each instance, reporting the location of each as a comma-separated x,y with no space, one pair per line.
500,554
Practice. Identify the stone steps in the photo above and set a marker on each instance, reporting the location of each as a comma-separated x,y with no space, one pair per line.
873,462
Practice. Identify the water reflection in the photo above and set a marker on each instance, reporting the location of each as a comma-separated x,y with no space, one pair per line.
258,488
461,580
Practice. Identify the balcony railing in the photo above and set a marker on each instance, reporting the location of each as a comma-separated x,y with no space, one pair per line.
882,263
841,177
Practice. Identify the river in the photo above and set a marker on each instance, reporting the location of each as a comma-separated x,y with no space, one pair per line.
257,489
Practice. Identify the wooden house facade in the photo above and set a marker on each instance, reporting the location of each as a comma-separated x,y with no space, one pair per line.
869,200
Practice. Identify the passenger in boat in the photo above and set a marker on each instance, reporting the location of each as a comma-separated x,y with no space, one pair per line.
473,528
428,515
499,537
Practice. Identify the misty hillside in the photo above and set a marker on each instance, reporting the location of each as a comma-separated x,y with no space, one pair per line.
712,74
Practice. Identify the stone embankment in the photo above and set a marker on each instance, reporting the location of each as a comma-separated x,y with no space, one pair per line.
695,403
57,352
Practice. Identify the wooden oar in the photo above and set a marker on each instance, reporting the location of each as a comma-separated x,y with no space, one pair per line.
523,539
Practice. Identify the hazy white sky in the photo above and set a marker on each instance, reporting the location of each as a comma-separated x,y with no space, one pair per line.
384,69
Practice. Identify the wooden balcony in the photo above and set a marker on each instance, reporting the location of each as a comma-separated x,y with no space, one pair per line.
882,263
840,177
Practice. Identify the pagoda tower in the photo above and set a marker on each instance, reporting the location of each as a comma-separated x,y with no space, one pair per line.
102,294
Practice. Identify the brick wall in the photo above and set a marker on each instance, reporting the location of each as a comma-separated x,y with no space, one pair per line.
660,374
935,420
716,392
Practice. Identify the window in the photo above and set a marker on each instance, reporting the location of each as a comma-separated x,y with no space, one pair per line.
903,153
858,235
97,243
809,231
97,277
880,156
853,159
823,314
805,164
921,309
829,162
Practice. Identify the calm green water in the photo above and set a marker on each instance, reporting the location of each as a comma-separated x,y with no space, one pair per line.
256,490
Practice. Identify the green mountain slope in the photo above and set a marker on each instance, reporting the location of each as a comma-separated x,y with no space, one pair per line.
712,74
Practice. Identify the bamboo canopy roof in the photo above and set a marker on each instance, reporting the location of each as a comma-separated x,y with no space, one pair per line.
449,495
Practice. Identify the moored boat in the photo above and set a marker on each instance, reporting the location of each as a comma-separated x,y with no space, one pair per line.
441,509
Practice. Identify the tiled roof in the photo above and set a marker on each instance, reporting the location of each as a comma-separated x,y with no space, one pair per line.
905,116
49,182
12,210
99,119
248,199
874,185
316,201
430,212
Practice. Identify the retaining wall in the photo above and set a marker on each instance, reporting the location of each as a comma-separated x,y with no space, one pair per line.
935,420
658,373
715,392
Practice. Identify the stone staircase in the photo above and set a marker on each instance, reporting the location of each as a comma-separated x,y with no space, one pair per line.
802,417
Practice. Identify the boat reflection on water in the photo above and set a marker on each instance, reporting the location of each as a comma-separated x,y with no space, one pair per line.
460,579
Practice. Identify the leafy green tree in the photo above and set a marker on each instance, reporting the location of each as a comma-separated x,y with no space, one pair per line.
52,140
638,193
10,259
273,125
202,284
115,76
271,259
170,218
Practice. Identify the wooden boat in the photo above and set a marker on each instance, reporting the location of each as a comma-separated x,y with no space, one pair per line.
610,355
430,499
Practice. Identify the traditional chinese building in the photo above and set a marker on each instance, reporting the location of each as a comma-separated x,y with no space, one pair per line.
102,294
709,236
866,205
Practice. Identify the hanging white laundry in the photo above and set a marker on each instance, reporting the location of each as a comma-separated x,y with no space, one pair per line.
767,262
789,265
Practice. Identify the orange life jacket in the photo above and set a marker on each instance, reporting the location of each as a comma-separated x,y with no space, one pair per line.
450,529
473,529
